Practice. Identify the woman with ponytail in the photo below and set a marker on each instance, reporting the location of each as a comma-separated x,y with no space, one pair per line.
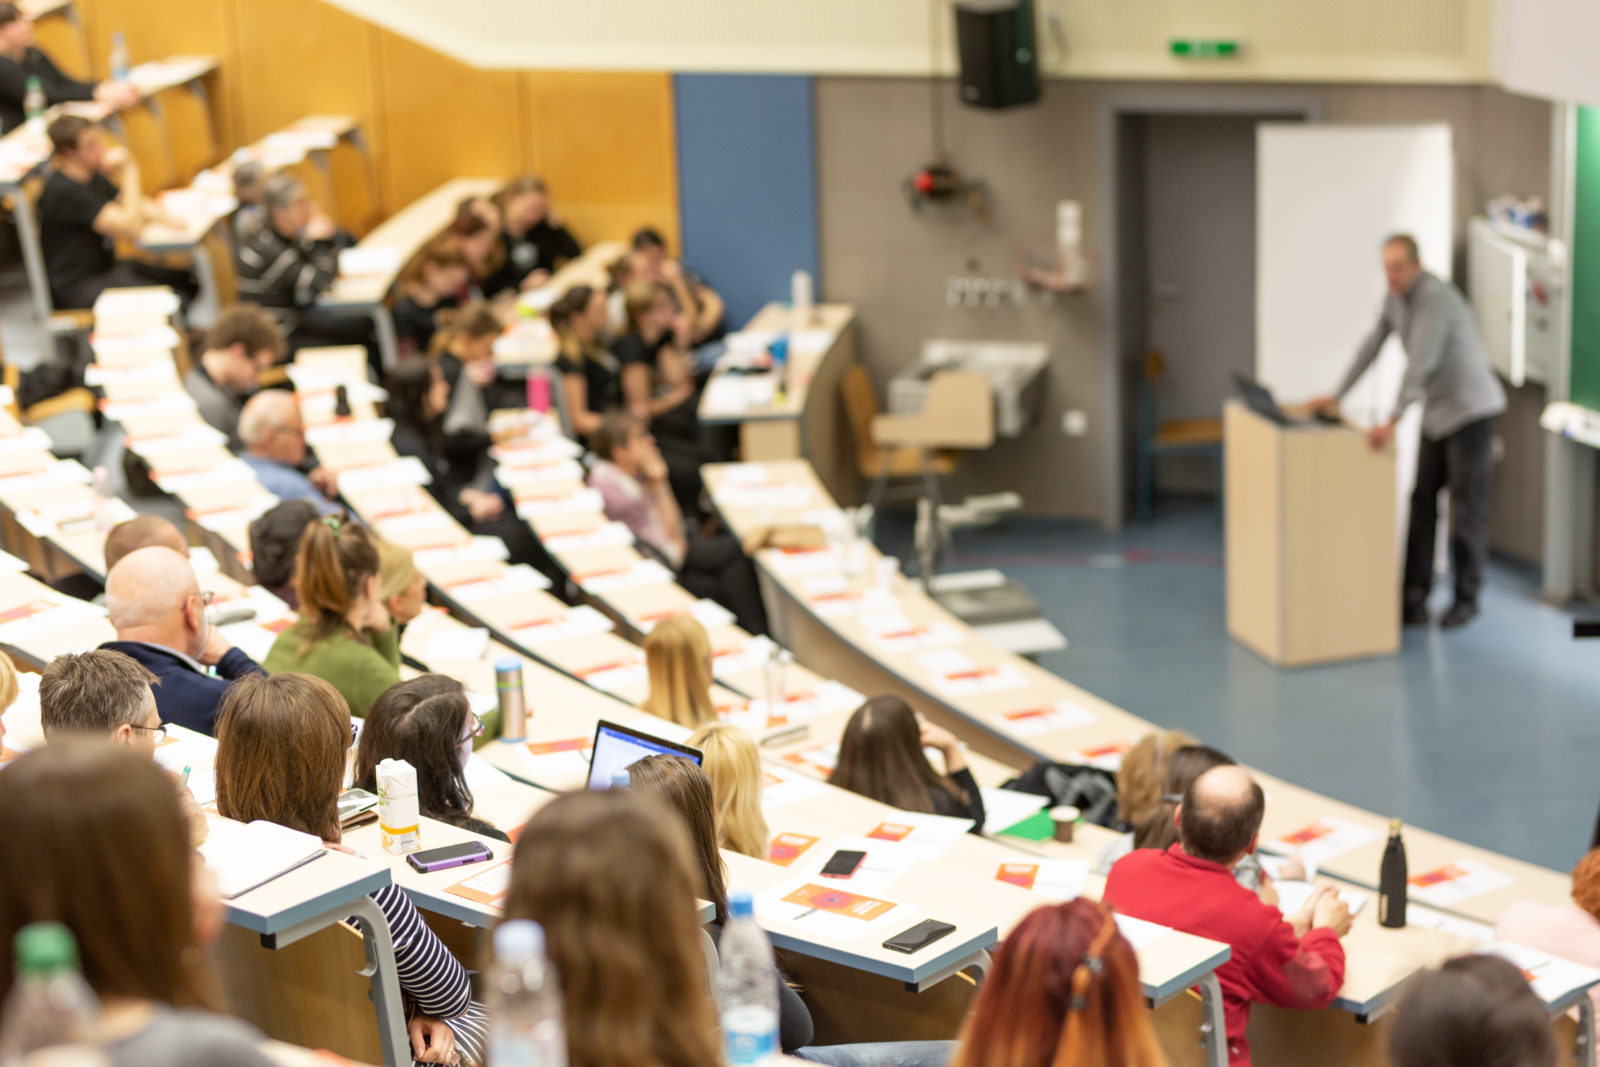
430,286
1063,992
591,377
344,634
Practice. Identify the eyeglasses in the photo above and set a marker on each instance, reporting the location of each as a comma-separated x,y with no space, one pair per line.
205,598
158,734
474,728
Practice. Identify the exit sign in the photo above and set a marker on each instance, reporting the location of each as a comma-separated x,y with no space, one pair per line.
1203,47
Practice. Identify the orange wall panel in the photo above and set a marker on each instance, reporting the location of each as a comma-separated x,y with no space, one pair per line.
298,58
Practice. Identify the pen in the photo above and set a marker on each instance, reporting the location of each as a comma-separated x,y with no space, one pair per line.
183,779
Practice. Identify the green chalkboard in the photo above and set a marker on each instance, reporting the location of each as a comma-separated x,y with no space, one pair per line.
1585,364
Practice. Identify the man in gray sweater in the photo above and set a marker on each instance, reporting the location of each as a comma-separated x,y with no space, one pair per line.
1448,370
244,342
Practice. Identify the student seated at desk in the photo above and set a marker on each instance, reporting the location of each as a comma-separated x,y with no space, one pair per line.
21,60
274,544
1474,1011
1294,962
677,654
1139,777
658,387
731,761
700,306
82,212
142,531
432,283
1063,989
463,347
106,695
477,229
1570,930
533,243
401,587
611,878
428,723
249,188
159,613
136,897
281,757
292,259
244,342
880,756
631,477
344,634
591,377
274,439
685,790
459,478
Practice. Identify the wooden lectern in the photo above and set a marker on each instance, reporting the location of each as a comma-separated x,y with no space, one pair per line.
1313,561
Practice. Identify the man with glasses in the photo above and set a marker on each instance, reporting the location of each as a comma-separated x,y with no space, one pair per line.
275,448
159,613
107,694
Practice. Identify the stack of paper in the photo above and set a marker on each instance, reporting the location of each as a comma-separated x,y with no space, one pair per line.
247,855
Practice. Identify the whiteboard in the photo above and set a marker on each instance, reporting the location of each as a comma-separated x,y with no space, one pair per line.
1326,197
1497,269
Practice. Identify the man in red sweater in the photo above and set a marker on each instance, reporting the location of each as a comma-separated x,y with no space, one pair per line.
1293,963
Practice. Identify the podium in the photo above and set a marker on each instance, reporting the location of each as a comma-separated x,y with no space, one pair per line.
1313,558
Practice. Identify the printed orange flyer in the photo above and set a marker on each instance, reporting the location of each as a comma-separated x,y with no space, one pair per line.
24,611
571,744
1023,714
837,902
1304,836
1101,751
891,831
488,886
1022,874
1438,876
786,848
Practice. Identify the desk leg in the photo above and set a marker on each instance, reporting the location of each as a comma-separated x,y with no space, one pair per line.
388,345
32,255
1213,1030
380,968
978,963
1585,1054
209,301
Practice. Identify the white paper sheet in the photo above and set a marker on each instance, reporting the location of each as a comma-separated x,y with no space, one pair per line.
1053,879
1321,841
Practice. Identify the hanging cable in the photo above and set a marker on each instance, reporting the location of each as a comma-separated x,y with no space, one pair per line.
936,90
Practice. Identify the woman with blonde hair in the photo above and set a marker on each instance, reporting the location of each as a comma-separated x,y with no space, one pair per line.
1143,767
677,654
8,689
732,763
401,586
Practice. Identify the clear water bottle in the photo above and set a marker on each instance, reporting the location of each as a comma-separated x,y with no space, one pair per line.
747,986
50,1004
118,60
34,102
104,515
527,1027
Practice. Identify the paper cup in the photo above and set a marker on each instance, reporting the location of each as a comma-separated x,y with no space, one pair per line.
1066,819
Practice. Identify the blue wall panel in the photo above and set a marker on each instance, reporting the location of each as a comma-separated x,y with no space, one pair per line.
747,184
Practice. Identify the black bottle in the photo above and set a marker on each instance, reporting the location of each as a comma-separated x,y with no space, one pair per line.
1392,880
341,402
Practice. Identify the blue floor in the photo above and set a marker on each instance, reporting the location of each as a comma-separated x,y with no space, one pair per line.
1485,734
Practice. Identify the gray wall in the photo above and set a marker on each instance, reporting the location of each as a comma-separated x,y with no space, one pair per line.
892,263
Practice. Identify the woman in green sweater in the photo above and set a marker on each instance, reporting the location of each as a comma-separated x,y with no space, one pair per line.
344,634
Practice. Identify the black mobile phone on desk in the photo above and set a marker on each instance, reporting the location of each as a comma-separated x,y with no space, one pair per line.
843,864
439,859
919,936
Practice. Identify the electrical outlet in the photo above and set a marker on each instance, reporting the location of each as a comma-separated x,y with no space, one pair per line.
1074,423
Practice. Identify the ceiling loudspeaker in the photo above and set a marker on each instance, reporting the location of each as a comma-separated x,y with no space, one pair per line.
999,52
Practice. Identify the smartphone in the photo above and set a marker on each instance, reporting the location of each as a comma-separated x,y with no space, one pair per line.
439,859
843,864
357,806
919,936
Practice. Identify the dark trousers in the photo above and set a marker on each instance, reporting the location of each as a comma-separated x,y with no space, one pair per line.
716,567
1461,463
127,274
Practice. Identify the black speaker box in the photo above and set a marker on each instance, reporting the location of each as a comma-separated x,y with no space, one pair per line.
999,54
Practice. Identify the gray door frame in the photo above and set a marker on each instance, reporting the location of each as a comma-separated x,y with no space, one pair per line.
1111,109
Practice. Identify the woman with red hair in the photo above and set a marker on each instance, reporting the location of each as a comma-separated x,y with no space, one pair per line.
1063,992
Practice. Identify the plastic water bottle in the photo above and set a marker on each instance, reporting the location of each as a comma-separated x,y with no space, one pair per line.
34,102
747,986
118,60
104,515
527,1027
620,778
50,1004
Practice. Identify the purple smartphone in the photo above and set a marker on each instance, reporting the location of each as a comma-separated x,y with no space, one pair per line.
439,859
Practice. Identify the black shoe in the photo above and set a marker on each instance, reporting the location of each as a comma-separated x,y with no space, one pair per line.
1460,613
1415,615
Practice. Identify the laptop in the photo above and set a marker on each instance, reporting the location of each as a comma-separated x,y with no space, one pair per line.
1259,399
617,748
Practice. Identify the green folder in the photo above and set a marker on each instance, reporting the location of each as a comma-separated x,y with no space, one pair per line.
1036,827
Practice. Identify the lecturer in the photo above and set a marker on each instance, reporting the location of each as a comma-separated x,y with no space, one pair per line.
1448,370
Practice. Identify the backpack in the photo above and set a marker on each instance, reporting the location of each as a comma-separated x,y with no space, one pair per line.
1089,789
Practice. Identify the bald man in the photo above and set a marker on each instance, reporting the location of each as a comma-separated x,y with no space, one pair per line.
1294,962
142,531
159,614
275,448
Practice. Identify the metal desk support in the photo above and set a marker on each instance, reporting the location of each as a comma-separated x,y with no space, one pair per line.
978,963
1213,1030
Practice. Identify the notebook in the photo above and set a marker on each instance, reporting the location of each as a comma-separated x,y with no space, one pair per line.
245,856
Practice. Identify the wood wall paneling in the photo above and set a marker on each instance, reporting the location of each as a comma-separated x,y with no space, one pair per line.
154,30
606,144
441,119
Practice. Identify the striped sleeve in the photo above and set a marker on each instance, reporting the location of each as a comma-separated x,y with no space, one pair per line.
430,976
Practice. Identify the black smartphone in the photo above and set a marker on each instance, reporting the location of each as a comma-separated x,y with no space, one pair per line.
439,859
843,864
919,936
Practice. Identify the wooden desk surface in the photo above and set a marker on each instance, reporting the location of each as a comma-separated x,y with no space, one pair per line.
327,882
403,235
810,340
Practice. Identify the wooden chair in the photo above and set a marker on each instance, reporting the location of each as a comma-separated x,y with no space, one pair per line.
876,463
1177,437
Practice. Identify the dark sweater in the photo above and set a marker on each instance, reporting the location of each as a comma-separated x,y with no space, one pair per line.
185,696
58,86
945,804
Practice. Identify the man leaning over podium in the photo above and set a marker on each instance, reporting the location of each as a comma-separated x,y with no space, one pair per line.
1448,370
